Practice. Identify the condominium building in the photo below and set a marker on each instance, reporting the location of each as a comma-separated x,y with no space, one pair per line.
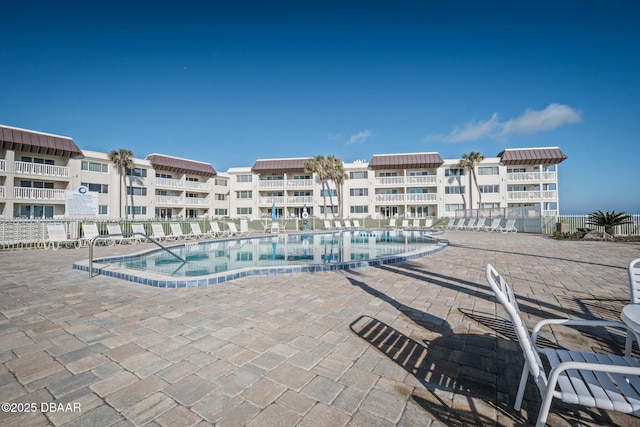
37,169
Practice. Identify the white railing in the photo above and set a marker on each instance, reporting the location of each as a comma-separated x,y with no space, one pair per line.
299,200
422,197
3,165
422,179
181,201
29,168
182,183
531,176
580,221
393,198
389,180
300,183
3,192
278,200
532,195
38,193
271,183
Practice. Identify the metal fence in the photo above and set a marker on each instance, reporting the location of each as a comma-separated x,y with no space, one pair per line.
571,223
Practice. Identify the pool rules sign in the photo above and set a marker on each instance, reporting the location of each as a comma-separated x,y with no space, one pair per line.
81,203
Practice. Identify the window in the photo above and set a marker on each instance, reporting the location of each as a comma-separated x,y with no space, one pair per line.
136,191
221,182
387,174
94,166
359,175
418,190
454,189
220,196
329,209
137,172
388,191
453,172
302,193
137,210
516,170
97,188
244,211
103,210
329,193
36,160
418,173
244,256
488,170
244,194
359,209
359,192
36,184
192,179
301,177
489,188
163,175
244,178
220,212
274,178
453,207
516,188
490,206
274,194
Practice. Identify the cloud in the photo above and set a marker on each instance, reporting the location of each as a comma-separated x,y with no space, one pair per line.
360,137
529,123
335,136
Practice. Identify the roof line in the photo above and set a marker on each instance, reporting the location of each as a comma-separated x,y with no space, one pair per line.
406,154
532,148
178,158
35,131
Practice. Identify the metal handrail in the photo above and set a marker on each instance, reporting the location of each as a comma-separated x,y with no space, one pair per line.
110,236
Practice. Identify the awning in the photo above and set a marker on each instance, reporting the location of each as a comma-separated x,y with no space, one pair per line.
37,142
174,164
532,156
405,161
277,166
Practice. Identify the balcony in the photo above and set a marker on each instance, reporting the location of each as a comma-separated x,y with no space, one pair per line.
532,195
299,200
422,180
390,198
182,201
300,183
182,184
531,176
422,197
39,193
271,183
390,180
268,201
40,169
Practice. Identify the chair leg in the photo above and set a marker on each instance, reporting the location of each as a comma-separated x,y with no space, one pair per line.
523,384
544,408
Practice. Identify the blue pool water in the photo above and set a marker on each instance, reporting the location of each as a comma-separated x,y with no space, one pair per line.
210,262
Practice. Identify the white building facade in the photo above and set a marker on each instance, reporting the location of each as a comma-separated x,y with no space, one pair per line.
37,169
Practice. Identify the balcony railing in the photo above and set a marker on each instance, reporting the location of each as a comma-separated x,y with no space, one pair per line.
531,176
300,183
182,183
181,201
390,180
40,169
39,193
299,200
278,200
3,165
271,183
390,198
422,179
532,195
422,197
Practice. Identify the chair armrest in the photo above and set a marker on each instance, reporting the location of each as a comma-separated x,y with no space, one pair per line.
586,366
574,322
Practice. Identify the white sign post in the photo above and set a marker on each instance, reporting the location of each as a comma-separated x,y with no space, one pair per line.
81,203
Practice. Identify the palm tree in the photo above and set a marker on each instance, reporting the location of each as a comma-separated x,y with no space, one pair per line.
609,220
318,166
123,160
469,161
337,174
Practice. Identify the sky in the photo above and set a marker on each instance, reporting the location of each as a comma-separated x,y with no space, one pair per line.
230,82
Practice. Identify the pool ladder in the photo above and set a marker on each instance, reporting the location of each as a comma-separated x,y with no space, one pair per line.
110,236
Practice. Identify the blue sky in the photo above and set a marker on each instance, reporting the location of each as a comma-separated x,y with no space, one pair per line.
228,82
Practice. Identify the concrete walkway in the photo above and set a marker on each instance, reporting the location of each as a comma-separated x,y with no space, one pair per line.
417,343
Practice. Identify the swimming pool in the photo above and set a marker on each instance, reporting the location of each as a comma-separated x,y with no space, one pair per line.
217,261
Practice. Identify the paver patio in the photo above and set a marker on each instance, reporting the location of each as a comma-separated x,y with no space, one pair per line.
416,343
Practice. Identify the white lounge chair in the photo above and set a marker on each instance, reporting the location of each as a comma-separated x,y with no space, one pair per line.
347,224
196,231
89,231
115,235
509,226
405,224
337,225
634,286
158,233
327,225
415,223
462,223
232,229
392,223
57,236
215,229
176,232
139,228
470,224
356,223
495,225
428,224
602,381
451,224
479,225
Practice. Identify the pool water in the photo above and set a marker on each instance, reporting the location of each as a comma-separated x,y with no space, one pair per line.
216,261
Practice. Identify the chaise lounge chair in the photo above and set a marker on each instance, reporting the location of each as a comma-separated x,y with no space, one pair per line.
509,226
57,236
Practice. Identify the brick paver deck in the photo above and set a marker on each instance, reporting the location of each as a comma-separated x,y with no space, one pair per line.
417,343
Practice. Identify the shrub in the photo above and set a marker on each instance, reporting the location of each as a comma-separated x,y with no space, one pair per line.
609,220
